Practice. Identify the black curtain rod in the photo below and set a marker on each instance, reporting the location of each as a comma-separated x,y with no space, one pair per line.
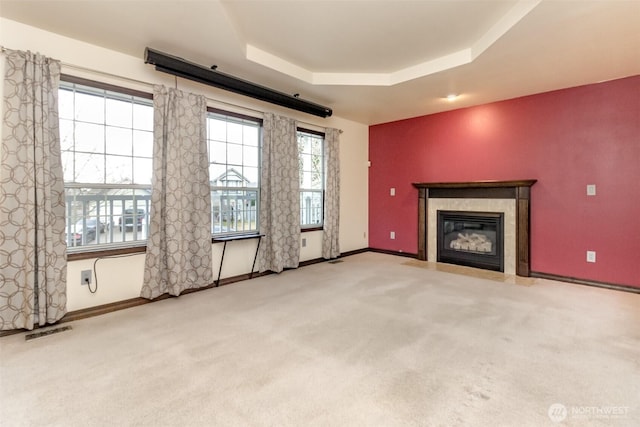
179,67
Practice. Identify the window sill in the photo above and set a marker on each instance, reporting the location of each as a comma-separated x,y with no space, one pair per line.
77,256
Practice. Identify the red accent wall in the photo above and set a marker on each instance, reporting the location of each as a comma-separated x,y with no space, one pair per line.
565,139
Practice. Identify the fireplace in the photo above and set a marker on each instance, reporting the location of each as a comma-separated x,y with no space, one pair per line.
474,239
512,198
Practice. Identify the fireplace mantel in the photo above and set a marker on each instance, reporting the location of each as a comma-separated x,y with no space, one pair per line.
520,190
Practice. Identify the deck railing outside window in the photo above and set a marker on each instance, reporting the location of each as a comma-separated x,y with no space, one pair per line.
97,217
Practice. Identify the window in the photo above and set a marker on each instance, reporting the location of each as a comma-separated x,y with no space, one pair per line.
234,171
311,158
106,139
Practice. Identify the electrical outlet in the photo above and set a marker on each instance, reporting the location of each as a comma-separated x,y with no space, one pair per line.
304,242
591,256
392,235
85,277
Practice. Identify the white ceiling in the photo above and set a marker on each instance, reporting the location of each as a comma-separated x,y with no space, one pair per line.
371,61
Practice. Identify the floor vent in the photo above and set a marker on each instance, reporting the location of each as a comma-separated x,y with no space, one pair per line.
335,261
45,333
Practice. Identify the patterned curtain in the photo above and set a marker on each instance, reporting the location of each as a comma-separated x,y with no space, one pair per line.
331,229
279,195
33,252
179,245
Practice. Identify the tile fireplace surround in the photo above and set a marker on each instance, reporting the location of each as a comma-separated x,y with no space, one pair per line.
509,197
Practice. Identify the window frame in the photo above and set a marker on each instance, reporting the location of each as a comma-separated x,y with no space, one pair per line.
314,226
241,119
68,82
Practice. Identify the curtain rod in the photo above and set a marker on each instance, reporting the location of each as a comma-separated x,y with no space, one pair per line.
150,85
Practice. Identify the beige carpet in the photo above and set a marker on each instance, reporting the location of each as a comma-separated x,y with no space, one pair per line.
371,341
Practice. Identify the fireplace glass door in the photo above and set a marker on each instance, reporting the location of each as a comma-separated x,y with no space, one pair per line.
474,239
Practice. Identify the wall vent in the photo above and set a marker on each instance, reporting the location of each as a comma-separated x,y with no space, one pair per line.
46,333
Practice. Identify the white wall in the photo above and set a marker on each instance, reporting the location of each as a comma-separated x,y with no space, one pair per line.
121,278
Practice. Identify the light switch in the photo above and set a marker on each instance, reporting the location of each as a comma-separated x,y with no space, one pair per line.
392,235
392,191
591,189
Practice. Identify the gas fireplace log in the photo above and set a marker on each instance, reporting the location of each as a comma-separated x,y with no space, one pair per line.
471,242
